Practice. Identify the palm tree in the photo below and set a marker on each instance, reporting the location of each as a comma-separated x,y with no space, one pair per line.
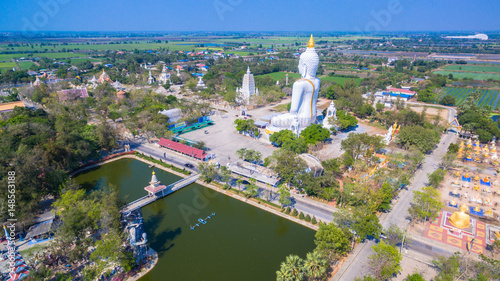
285,273
315,265
295,264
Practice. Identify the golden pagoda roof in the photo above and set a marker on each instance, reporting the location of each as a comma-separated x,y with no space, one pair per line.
311,42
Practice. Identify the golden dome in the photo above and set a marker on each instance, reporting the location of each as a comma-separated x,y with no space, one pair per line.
460,219
311,42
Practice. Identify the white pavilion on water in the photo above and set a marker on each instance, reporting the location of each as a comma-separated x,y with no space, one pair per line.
154,185
247,89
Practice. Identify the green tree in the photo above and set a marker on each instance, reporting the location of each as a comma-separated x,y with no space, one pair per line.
252,189
284,193
279,138
208,171
385,262
356,145
315,266
287,164
436,177
314,134
291,269
346,120
426,204
332,241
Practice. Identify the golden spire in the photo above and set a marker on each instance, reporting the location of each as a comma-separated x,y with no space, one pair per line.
153,172
311,42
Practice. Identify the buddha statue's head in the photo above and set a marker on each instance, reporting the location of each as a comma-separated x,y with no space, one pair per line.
309,61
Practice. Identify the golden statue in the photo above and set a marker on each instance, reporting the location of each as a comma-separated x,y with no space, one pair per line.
489,212
460,219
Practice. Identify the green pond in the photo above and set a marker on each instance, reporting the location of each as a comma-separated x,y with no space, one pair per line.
240,242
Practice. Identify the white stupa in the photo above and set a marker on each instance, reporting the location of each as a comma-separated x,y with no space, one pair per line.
247,88
151,80
330,112
201,84
164,76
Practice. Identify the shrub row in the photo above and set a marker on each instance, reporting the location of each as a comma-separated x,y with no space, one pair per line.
293,212
159,162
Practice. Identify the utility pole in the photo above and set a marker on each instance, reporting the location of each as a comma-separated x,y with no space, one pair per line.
404,237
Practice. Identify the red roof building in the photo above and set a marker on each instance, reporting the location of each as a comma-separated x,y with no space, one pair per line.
404,91
184,149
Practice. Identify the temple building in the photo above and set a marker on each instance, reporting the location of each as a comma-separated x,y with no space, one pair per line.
37,82
93,80
164,76
103,78
247,89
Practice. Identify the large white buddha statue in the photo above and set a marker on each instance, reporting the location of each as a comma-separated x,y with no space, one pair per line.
304,94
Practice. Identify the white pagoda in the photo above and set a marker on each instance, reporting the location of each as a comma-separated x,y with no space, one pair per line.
247,88
201,84
151,80
93,80
330,112
164,76
103,78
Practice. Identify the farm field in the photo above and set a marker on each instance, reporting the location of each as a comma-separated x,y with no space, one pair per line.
339,80
474,68
25,64
7,65
476,76
8,57
487,97
84,59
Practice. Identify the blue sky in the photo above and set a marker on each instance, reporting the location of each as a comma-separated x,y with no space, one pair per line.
250,15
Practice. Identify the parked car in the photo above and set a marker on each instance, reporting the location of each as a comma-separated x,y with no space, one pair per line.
189,165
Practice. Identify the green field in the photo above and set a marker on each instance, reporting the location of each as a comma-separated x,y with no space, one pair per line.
84,59
7,65
281,75
8,57
475,76
340,80
25,64
474,68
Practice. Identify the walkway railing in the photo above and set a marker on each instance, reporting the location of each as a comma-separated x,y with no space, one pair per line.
145,200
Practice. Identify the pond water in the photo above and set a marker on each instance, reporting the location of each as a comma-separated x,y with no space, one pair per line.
240,242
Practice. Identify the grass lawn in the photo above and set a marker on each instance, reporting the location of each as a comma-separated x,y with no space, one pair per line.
475,68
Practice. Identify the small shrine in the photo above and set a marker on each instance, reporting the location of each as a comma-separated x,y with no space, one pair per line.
154,185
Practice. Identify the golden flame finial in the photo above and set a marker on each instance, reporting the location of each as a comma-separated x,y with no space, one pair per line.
311,42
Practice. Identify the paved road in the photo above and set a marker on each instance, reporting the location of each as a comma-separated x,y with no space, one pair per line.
307,206
357,264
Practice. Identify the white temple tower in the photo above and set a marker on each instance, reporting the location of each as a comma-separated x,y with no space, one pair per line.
330,112
164,76
151,80
247,88
154,181
201,84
